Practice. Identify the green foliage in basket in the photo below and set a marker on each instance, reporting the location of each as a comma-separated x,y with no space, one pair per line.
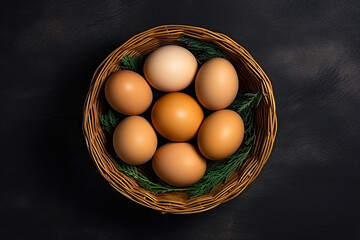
203,51
134,63
145,182
109,121
217,171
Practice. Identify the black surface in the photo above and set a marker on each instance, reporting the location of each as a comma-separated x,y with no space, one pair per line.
50,189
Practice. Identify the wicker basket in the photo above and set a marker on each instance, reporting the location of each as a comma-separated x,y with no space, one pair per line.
251,79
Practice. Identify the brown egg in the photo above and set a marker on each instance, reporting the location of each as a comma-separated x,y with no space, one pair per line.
221,134
134,140
128,92
216,84
170,68
177,116
179,164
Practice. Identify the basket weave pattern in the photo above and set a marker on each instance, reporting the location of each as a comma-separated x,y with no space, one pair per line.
251,79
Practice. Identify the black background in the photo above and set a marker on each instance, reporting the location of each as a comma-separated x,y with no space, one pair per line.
50,188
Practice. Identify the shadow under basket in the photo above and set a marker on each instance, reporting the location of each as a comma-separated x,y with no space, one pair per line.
251,79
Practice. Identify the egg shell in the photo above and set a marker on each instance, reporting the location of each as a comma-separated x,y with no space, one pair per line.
128,92
170,68
221,134
216,84
179,164
134,140
177,116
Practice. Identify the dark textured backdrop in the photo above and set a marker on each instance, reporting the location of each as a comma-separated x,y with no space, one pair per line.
50,189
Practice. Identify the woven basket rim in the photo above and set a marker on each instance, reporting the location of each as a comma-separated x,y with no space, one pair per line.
174,202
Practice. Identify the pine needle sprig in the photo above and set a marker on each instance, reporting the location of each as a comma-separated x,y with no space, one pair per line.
134,63
109,120
203,51
145,182
218,172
